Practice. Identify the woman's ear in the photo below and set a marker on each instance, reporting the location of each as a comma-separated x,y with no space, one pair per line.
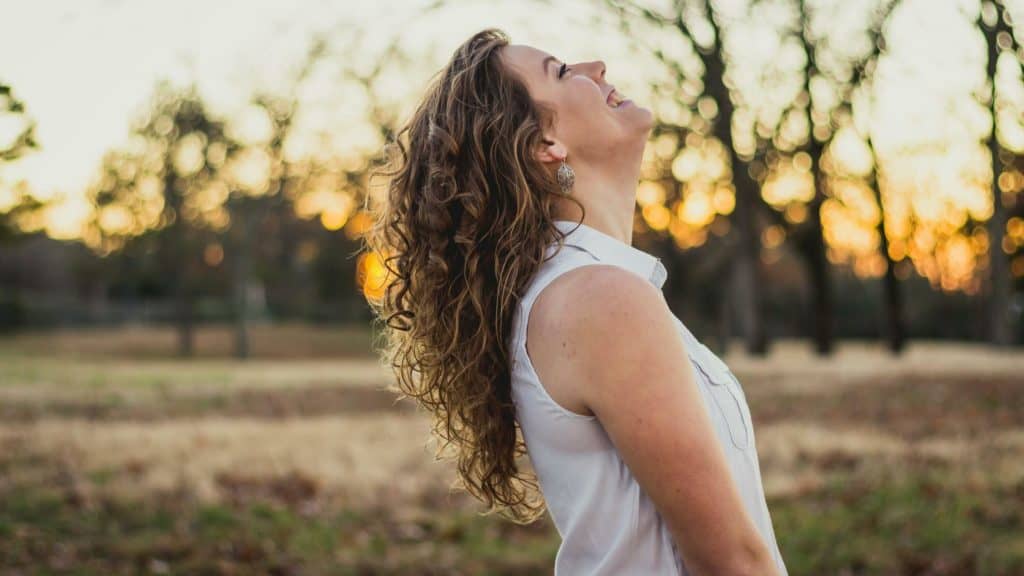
551,151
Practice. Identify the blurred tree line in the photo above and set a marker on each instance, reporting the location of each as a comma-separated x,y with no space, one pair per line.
202,218
21,203
198,219
195,207
754,142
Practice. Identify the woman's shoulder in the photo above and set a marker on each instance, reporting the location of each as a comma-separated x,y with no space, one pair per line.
602,288
598,298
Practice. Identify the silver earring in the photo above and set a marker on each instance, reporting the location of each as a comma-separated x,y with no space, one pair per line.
566,177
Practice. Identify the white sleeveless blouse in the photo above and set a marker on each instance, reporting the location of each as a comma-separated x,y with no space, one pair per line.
607,523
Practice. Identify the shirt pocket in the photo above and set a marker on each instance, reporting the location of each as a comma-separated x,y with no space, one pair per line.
727,395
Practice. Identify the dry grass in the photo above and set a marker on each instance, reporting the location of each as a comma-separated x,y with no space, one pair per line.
280,341
323,434
358,461
793,367
796,457
71,375
385,458
173,422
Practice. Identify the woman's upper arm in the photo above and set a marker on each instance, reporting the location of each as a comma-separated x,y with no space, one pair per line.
624,348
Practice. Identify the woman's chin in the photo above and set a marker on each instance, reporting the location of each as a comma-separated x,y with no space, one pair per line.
642,117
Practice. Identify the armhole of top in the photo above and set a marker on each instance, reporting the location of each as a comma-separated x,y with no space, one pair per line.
524,325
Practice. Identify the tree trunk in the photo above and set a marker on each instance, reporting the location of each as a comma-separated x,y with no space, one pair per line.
240,276
747,265
894,330
999,281
724,313
814,239
180,271
821,282
186,324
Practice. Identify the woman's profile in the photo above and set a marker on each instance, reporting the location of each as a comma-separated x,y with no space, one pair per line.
519,314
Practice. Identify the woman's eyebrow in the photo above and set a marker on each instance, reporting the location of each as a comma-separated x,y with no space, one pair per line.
544,63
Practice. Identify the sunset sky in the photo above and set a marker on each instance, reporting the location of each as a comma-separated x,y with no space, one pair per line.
86,68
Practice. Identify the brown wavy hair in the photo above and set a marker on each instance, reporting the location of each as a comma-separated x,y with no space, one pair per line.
467,216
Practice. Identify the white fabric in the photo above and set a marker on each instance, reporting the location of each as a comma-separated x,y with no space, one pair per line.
607,523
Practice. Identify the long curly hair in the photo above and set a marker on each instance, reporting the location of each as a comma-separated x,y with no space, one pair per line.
465,223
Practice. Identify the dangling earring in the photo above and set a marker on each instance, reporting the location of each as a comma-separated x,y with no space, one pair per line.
566,177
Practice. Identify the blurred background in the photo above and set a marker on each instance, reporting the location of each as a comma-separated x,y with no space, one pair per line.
187,376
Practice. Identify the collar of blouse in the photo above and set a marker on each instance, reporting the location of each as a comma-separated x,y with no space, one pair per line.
614,251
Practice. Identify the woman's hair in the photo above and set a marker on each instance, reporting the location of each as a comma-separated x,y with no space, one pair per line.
467,217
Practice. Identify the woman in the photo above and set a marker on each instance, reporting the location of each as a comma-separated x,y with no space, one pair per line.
508,221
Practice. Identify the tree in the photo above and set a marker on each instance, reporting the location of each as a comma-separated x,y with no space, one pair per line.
22,142
996,23
720,106
760,138
827,63
167,179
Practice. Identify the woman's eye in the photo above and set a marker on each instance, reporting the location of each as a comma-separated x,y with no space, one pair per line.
562,70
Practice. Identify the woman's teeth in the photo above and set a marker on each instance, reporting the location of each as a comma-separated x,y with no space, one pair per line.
614,100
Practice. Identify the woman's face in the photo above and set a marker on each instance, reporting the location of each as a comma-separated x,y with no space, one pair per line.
591,123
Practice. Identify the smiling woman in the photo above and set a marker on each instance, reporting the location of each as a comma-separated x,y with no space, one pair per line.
509,219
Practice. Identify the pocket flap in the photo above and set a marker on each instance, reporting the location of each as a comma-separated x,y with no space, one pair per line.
717,371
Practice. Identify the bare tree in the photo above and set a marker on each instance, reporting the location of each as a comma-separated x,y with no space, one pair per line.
165,181
996,23
250,212
22,142
847,75
746,264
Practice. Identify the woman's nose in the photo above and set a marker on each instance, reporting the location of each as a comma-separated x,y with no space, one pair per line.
595,69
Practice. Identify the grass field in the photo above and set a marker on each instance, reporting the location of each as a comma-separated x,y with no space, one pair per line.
116,458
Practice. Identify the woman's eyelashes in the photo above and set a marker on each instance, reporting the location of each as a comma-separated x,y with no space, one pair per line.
562,70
